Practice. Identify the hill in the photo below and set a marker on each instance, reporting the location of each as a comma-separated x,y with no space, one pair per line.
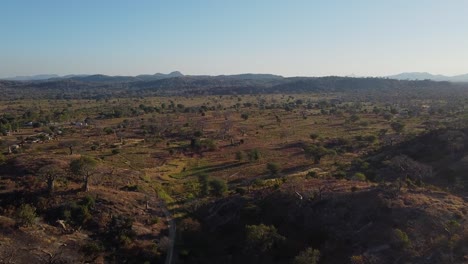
429,76
102,86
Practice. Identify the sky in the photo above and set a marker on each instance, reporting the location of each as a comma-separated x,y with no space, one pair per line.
286,37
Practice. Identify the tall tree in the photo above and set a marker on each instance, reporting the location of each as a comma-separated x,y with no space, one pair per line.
50,173
84,167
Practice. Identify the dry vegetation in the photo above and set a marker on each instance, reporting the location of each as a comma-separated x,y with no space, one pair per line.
348,178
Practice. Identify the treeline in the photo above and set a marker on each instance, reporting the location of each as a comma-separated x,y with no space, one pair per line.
223,85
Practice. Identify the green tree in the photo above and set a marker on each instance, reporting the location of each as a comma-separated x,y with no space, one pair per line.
84,167
308,256
262,237
70,145
316,152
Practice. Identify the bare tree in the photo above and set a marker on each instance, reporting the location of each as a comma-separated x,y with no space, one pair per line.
409,168
50,173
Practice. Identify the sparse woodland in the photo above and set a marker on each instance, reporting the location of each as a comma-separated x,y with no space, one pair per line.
234,170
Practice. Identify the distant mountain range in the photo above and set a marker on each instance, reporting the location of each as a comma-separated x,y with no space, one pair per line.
96,77
100,78
429,76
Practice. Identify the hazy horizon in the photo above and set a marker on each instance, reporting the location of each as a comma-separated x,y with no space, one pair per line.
297,38
239,73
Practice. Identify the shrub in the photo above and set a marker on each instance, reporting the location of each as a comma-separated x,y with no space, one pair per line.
209,144
25,215
397,127
120,230
92,248
400,239
308,256
218,187
115,151
339,175
254,155
79,213
204,187
359,176
241,190
2,159
314,136
154,220
240,155
262,237
311,174
88,201
273,167
108,130
198,133
358,259
258,182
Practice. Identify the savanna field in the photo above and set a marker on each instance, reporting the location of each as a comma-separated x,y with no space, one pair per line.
249,178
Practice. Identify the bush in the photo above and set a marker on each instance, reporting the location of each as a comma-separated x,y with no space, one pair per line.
209,144
120,230
400,239
359,176
115,151
311,174
92,248
198,133
358,259
273,167
340,175
79,213
254,155
314,136
258,182
88,201
240,155
241,190
154,220
397,127
204,187
25,215
308,256
262,237
2,159
108,130
218,187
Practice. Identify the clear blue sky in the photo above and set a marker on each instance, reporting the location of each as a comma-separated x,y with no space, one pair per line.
287,37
